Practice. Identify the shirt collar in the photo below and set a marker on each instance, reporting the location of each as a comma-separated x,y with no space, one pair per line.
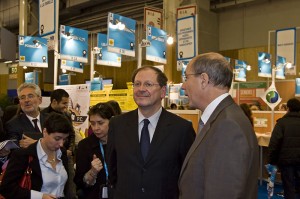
211,107
31,118
153,119
42,154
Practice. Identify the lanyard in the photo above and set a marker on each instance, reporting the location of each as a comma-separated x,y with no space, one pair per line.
104,163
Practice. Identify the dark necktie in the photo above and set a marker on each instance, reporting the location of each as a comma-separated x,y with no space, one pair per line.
145,139
35,125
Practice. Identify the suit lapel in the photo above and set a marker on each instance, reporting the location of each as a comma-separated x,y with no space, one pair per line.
27,122
224,103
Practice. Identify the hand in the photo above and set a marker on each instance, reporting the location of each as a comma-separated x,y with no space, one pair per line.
96,165
48,196
26,141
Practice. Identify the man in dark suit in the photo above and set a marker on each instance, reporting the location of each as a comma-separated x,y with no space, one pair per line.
146,147
30,120
223,160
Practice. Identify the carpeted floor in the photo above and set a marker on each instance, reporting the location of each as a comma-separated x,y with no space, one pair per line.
263,194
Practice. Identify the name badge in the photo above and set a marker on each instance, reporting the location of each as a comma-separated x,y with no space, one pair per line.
104,192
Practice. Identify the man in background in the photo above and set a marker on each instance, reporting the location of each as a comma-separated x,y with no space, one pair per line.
284,148
29,120
146,147
223,160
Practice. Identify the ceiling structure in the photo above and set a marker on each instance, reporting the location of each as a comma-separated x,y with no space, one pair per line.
91,15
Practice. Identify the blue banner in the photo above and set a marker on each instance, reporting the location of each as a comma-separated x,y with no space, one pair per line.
157,50
240,73
121,35
96,84
297,89
104,57
280,67
33,51
264,65
72,66
32,77
73,44
64,79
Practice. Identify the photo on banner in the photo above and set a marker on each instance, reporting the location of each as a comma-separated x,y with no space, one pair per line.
73,44
104,57
121,34
33,51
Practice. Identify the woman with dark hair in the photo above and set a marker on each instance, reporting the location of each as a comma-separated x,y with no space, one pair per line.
247,111
91,175
49,164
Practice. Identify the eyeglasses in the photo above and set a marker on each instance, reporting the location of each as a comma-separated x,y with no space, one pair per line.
185,76
145,84
29,96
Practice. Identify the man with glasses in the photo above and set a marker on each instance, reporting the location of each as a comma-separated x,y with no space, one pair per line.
29,120
223,160
146,147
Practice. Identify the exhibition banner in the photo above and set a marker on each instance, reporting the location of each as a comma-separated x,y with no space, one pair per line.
64,79
157,50
79,104
72,66
121,34
47,15
186,38
73,44
104,57
297,87
33,51
240,72
280,67
264,65
32,77
96,84
153,17
286,47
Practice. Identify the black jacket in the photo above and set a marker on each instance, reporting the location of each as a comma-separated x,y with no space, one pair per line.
284,146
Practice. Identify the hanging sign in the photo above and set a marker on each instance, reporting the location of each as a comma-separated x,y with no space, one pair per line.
33,51
156,51
153,17
73,44
121,35
186,38
47,17
286,47
104,57
72,66
264,65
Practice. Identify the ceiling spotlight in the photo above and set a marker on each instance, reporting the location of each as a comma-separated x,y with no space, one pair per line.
24,67
63,70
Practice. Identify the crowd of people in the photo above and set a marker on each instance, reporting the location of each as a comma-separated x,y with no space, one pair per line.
148,152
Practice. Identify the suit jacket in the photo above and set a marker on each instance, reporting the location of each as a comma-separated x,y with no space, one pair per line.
223,160
16,167
86,149
20,124
157,176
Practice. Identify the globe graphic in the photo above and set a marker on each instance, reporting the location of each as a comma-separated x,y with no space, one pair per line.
272,96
